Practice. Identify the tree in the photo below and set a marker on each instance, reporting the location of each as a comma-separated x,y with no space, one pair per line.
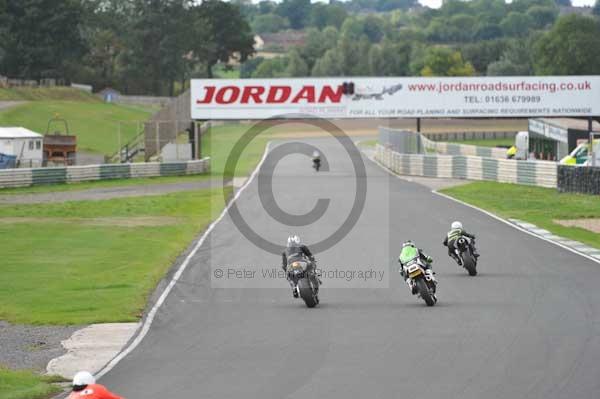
221,33
156,42
41,38
389,5
247,68
316,43
571,47
516,24
296,11
296,66
442,61
269,23
542,16
515,61
266,7
487,31
271,68
372,28
482,53
392,58
329,64
323,15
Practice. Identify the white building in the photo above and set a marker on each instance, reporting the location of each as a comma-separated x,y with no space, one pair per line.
26,145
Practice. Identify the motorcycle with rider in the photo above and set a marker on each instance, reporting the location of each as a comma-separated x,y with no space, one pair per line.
316,161
301,270
461,247
415,268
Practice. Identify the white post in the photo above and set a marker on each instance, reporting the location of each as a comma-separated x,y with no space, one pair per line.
157,124
119,140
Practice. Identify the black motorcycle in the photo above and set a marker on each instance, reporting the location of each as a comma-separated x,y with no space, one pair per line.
317,164
464,252
303,275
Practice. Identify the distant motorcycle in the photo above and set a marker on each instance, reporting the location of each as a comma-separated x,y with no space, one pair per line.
464,253
303,274
421,280
317,164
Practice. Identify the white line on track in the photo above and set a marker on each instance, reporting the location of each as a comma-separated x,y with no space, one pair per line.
498,218
145,327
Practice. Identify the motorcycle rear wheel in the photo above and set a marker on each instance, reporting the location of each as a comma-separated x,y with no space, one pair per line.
470,263
310,297
425,292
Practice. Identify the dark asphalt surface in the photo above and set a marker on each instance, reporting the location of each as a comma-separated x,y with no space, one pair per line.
527,327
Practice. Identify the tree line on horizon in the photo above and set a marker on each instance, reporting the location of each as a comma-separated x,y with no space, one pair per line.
156,46
461,38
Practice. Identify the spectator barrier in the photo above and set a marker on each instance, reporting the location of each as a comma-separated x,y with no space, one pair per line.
538,173
74,174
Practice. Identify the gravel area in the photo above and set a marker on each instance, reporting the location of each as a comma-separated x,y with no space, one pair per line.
31,347
588,224
99,194
9,104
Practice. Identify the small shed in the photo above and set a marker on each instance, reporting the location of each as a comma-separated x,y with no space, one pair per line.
23,144
109,95
554,138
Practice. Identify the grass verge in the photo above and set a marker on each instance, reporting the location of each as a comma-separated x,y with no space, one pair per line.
487,143
96,124
368,143
219,142
94,261
536,205
26,385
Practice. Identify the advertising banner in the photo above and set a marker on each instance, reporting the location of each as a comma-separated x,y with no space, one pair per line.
411,97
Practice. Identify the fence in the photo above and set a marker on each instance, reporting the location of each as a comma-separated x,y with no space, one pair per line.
165,125
579,179
462,136
539,173
74,174
141,100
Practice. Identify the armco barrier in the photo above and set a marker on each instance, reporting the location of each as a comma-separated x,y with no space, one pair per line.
74,174
538,173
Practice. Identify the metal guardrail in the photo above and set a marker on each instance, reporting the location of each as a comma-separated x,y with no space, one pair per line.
74,174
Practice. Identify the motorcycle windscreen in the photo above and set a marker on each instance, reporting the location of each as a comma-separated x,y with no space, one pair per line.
408,254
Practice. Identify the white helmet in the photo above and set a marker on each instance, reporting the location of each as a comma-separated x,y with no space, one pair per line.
456,225
293,240
83,378
316,154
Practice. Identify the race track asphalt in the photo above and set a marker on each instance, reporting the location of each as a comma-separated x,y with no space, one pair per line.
527,327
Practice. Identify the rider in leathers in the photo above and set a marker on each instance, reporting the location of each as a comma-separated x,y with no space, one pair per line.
294,251
457,231
426,260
